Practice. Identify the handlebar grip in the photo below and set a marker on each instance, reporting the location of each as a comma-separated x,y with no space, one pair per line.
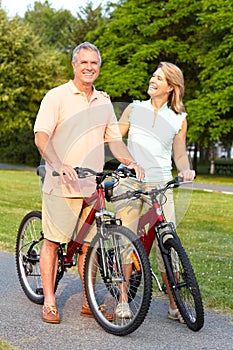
126,195
80,171
177,181
126,172
121,196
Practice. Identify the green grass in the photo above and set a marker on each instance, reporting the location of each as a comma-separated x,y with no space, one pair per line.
207,235
214,179
205,230
19,193
6,346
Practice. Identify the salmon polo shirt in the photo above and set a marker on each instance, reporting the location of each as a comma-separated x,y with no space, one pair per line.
78,130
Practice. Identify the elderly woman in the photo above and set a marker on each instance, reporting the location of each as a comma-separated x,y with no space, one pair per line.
156,130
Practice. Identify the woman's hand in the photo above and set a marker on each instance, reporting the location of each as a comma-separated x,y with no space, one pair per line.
188,174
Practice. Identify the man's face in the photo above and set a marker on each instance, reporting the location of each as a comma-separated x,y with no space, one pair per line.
86,67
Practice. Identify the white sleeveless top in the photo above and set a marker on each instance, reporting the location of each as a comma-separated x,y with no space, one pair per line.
150,138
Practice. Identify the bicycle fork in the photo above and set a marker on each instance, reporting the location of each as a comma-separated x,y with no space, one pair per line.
110,259
165,231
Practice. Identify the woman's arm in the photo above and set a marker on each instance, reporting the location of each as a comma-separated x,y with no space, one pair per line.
180,155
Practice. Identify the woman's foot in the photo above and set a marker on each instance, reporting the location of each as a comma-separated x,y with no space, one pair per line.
123,310
174,314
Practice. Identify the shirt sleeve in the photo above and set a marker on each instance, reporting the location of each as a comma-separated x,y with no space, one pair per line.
48,114
112,131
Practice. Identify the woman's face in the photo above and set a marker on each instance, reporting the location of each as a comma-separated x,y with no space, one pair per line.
158,85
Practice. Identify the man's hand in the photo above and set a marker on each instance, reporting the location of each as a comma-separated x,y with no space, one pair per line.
66,172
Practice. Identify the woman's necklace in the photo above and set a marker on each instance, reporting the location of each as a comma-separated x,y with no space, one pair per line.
155,117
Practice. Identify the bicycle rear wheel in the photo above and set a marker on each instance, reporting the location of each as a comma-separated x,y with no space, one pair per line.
28,246
184,286
104,275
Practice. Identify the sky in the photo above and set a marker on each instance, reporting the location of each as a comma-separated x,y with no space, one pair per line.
13,7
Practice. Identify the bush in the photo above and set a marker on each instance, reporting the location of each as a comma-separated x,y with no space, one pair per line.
17,147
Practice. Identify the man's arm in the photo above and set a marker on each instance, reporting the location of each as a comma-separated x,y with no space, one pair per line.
121,153
124,120
46,149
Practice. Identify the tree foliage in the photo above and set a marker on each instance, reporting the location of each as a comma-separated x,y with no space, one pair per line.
213,101
141,34
27,70
133,38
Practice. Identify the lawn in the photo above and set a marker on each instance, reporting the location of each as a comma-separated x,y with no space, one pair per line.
204,223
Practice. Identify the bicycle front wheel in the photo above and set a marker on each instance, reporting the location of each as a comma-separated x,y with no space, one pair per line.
184,285
107,260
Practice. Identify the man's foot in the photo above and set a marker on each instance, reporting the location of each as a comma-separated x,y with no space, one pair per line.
86,312
174,314
50,314
123,310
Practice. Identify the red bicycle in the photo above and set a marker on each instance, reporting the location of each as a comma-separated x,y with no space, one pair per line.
185,289
103,271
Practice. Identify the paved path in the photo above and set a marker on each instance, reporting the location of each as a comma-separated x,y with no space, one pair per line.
21,325
212,187
9,166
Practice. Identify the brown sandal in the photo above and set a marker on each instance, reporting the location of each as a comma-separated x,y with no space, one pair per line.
86,312
50,314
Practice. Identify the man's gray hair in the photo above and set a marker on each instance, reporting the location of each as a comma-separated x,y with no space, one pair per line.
87,46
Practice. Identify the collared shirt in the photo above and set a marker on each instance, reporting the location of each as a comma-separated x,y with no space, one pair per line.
150,138
78,129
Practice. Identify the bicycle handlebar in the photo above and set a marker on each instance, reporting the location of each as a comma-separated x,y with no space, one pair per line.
176,182
85,172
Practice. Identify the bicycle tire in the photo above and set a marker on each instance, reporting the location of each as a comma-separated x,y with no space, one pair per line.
28,246
134,280
100,290
186,290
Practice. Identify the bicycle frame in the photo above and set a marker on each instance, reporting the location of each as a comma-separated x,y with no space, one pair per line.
158,228
97,211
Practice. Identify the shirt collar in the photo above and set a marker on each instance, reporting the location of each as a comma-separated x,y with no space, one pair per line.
75,90
164,106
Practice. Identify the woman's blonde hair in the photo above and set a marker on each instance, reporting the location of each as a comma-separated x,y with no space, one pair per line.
175,78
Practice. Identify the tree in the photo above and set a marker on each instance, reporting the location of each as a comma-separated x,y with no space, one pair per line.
28,69
55,28
212,106
141,34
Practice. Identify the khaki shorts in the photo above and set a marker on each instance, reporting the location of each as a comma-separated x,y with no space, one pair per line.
130,210
60,218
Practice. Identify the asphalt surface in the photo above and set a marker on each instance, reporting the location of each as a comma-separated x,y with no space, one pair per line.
21,325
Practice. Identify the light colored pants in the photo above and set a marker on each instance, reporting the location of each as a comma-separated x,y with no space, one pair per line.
60,218
130,210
